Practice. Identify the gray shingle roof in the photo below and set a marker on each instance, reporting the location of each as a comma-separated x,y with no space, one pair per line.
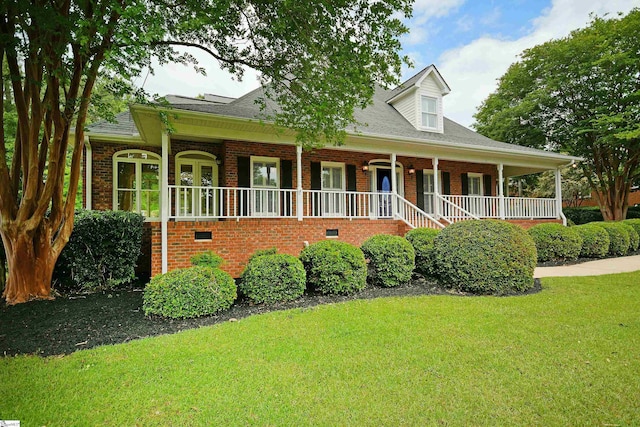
123,125
378,119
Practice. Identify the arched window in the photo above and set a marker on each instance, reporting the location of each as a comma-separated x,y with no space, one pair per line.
136,182
196,175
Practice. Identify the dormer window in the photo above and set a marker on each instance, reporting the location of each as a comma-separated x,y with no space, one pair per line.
429,117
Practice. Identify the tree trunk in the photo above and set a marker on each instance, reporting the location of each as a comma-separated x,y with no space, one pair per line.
614,204
31,260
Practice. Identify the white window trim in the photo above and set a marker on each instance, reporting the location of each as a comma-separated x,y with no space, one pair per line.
152,158
386,164
420,112
333,165
430,172
266,159
476,175
182,159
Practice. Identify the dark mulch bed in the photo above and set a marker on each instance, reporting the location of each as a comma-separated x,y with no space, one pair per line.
67,324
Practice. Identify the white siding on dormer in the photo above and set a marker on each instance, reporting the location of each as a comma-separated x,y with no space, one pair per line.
428,87
406,107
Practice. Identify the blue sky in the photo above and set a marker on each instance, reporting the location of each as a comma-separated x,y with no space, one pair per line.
472,42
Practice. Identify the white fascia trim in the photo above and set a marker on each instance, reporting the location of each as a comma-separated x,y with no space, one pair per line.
543,154
444,87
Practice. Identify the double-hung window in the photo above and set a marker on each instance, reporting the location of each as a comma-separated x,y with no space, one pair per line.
137,183
265,181
429,112
333,186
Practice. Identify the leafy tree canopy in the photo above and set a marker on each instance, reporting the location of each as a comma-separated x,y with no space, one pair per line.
320,60
581,95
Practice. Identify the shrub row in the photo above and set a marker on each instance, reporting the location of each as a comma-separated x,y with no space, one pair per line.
589,214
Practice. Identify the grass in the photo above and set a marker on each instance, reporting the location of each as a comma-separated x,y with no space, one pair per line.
569,355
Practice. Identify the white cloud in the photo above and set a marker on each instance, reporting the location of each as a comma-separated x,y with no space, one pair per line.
178,79
472,70
435,8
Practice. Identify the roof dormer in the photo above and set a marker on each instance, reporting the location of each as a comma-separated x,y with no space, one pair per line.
419,100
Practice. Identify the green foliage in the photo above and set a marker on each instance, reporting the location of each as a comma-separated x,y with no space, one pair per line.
583,215
189,292
485,257
555,242
207,259
271,278
391,260
581,92
619,240
334,267
102,251
595,240
422,241
634,238
262,252
634,222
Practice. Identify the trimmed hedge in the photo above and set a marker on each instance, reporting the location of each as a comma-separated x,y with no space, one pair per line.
595,240
207,259
618,237
271,278
189,292
635,223
589,214
634,239
102,251
485,257
334,267
391,260
555,242
422,241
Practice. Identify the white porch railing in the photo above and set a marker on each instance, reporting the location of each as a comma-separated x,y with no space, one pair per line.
529,208
415,217
346,204
454,208
463,207
190,202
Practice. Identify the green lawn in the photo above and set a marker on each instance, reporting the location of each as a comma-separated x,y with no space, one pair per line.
569,355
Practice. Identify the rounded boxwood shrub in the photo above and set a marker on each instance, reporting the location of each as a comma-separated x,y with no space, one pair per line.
595,240
207,259
634,222
555,242
273,278
391,260
335,267
618,237
634,239
485,257
189,292
101,253
422,241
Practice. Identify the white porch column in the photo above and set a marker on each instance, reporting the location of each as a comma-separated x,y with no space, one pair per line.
436,189
299,210
501,191
164,200
88,188
394,186
559,213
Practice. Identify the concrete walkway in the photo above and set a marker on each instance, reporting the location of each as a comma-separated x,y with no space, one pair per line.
592,268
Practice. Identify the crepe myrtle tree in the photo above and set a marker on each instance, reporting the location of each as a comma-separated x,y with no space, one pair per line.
320,60
580,95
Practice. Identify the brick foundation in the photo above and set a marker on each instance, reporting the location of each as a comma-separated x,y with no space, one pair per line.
236,241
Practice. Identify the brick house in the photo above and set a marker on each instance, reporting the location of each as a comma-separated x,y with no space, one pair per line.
225,181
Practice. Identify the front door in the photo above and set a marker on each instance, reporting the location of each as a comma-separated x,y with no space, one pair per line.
383,187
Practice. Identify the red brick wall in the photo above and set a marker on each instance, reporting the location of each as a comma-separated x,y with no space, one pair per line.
236,241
